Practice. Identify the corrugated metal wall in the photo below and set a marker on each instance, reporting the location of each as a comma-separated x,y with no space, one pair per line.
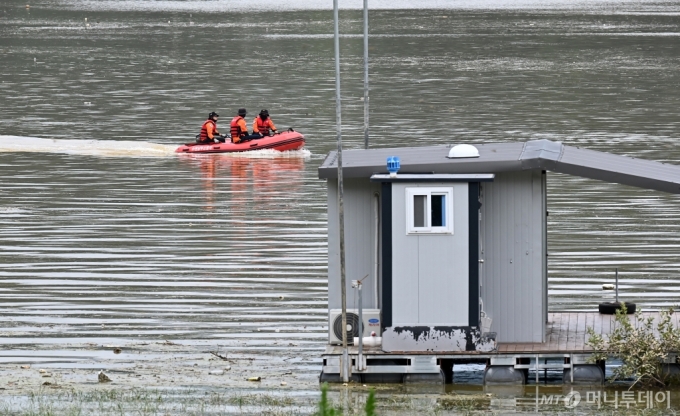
513,246
360,228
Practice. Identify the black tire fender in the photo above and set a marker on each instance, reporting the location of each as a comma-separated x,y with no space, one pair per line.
610,308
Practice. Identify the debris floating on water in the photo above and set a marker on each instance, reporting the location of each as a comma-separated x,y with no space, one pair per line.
103,378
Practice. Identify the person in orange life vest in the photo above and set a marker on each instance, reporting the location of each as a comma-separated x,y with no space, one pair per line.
263,124
239,129
209,133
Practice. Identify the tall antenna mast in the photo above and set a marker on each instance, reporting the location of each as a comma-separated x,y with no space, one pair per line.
365,74
345,368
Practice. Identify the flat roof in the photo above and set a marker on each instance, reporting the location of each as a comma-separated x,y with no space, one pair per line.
510,157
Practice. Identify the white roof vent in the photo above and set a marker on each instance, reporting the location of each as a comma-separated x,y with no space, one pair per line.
462,151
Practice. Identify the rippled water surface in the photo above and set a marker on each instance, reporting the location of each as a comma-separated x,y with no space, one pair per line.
107,235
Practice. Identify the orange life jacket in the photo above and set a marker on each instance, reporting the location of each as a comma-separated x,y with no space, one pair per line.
263,125
203,137
236,132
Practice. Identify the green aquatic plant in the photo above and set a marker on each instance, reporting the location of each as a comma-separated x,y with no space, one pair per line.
326,408
643,344
370,403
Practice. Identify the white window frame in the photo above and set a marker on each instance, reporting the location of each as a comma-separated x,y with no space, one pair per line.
428,192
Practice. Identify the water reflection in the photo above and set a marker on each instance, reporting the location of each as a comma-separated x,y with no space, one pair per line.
257,181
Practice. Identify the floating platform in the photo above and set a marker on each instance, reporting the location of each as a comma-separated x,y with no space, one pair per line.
565,349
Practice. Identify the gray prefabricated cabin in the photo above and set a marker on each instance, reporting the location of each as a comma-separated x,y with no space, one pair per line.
450,241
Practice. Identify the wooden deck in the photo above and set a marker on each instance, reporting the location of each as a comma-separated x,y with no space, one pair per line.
566,332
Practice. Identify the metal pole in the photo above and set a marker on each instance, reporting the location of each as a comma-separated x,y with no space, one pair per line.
537,368
365,74
616,286
360,360
341,210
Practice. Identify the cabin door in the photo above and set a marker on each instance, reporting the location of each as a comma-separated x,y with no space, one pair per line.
431,254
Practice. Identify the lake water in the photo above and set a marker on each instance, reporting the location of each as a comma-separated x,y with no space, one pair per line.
108,236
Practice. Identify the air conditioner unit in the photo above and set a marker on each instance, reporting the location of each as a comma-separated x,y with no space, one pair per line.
371,323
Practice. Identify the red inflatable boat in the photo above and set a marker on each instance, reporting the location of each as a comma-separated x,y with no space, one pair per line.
288,140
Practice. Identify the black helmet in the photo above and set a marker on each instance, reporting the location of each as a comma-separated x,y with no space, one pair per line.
242,112
213,114
264,112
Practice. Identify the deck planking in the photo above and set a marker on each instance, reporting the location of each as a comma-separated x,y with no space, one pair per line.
566,332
